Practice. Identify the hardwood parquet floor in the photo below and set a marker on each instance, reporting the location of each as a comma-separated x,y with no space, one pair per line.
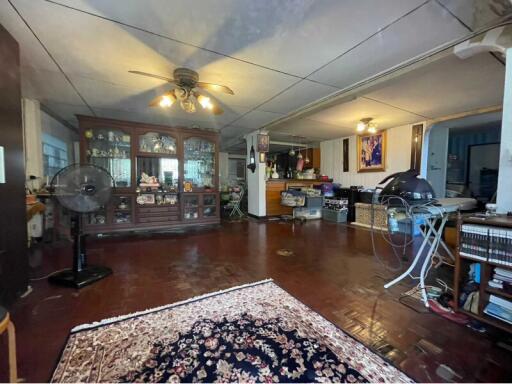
332,270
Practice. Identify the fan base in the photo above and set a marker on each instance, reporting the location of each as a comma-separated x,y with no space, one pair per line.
80,279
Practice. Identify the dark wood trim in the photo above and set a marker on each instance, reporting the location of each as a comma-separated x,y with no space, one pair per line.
416,146
13,224
346,155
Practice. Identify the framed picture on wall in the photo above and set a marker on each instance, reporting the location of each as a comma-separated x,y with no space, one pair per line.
263,143
371,152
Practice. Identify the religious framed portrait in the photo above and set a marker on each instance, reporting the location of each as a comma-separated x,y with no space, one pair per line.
371,152
263,143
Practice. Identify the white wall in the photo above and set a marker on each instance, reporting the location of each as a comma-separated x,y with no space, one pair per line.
223,168
398,158
32,138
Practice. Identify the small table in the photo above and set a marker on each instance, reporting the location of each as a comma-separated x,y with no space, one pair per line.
432,214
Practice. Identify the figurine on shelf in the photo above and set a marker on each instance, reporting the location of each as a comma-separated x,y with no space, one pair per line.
148,181
123,204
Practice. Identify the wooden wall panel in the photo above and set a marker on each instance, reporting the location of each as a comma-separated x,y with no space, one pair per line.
13,231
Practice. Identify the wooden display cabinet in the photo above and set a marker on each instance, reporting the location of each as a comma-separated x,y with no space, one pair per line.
174,155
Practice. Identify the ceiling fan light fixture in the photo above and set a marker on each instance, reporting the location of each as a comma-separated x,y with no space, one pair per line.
186,81
205,102
166,101
372,129
188,105
361,126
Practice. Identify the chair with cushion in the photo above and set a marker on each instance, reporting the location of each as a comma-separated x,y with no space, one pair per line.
7,325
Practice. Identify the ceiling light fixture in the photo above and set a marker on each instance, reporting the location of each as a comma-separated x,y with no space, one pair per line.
366,124
188,91
205,102
167,100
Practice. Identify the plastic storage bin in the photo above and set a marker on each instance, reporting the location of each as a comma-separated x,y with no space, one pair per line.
307,213
335,216
314,201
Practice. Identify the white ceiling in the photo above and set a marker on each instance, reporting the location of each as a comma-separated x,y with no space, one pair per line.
442,88
277,55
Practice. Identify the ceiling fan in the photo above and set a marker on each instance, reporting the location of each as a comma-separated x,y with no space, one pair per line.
187,91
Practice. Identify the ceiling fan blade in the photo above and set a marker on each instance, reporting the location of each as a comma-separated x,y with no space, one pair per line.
216,110
215,87
154,76
156,101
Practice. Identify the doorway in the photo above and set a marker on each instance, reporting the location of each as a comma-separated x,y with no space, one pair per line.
482,173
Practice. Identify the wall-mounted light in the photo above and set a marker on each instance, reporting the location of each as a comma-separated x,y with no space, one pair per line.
366,125
252,158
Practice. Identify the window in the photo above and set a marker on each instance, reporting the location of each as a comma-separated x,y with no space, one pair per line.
236,168
55,155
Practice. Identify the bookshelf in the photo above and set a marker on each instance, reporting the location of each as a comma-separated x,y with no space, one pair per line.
483,240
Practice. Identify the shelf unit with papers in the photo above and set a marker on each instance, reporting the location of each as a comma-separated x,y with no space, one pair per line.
488,242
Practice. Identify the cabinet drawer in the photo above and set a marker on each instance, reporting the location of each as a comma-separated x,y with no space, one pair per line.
158,209
158,219
276,187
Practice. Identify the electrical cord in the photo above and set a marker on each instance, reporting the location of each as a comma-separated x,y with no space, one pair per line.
48,275
385,200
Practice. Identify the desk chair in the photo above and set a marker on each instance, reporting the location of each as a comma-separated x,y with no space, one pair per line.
7,325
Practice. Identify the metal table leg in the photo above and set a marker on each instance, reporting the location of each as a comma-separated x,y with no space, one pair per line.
414,262
433,248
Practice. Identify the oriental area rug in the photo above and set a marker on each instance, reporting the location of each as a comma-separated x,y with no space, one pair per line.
252,333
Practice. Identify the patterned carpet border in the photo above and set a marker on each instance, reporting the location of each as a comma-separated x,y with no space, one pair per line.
254,332
116,319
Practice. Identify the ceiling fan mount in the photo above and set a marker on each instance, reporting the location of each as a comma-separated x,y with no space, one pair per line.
188,90
185,77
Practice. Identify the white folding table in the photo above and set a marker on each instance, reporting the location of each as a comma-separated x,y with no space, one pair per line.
432,215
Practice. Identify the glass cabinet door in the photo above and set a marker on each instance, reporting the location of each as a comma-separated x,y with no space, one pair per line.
199,162
209,205
110,149
154,142
98,217
190,207
122,206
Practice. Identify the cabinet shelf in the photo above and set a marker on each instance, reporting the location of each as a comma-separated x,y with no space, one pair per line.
499,292
123,210
484,318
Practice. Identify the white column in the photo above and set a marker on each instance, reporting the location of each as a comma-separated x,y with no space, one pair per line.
504,195
32,138
223,168
256,185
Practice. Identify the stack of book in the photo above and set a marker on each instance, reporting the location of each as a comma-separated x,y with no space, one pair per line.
474,241
500,246
499,308
501,279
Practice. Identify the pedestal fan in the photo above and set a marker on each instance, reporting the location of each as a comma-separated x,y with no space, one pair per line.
81,188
